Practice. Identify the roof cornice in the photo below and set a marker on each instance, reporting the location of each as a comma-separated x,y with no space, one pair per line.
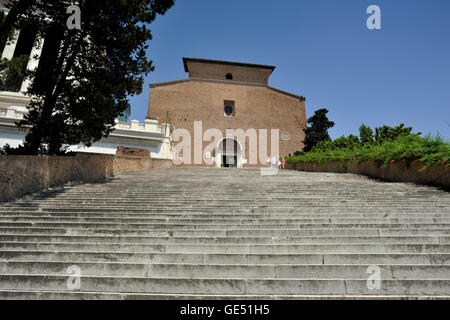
229,63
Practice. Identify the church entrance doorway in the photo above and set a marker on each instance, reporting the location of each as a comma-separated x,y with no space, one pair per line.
229,161
229,152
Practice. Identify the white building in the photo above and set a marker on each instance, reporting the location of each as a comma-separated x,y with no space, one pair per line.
149,135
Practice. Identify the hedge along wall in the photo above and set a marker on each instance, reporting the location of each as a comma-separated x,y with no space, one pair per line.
435,175
21,175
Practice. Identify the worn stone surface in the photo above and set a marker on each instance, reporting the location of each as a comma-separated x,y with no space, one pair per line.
204,233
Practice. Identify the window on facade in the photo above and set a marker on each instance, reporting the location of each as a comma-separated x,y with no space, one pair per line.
229,108
229,76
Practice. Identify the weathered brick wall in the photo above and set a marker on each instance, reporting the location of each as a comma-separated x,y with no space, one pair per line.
123,163
125,151
435,175
21,175
258,107
219,71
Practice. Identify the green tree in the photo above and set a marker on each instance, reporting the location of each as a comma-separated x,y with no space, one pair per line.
318,129
85,76
387,133
13,72
366,134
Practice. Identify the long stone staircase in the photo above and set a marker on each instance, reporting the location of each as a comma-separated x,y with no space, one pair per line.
227,233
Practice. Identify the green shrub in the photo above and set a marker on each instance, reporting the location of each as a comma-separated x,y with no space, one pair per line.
406,148
350,142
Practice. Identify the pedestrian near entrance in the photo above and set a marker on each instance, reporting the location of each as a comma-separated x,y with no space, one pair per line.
274,161
283,162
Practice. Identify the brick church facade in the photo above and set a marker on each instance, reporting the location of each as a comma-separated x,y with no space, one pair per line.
230,95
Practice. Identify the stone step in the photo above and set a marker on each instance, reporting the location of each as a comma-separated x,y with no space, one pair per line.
413,239
212,221
281,205
223,212
82,295
227,286
225,201
272,201
266,200
228,258
232,232
235,187
209,226
232,188
223,271
229,248
226,216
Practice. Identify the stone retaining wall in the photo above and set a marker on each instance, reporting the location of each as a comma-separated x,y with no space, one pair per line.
161,164
21,175
435,175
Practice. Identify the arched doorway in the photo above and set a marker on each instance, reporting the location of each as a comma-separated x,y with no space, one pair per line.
228,153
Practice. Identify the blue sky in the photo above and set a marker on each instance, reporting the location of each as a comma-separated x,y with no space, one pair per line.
323,51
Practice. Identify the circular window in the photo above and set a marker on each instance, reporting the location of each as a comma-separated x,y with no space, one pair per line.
286,136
